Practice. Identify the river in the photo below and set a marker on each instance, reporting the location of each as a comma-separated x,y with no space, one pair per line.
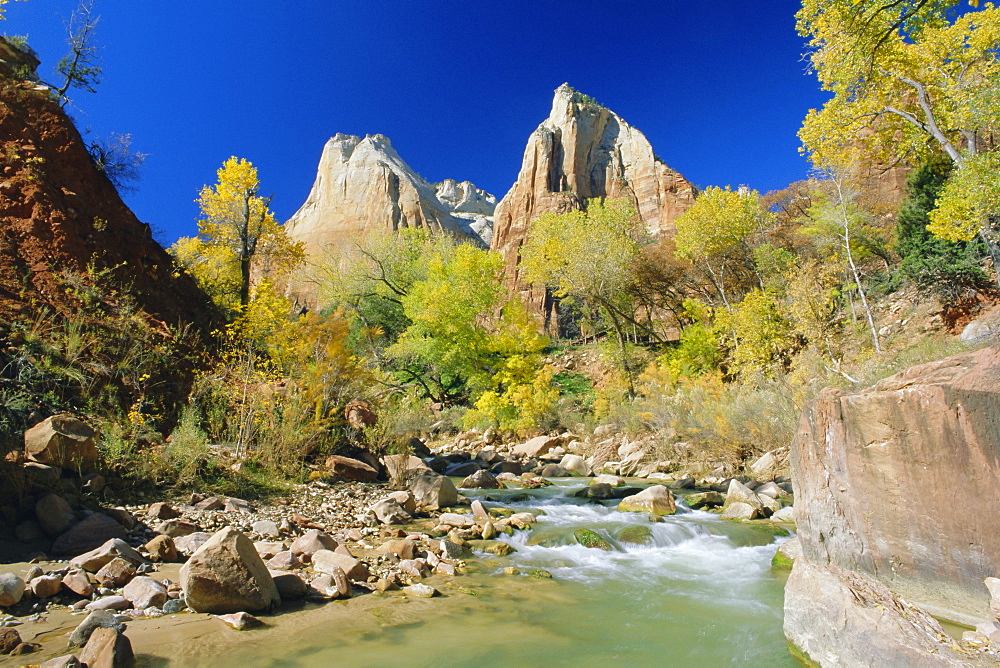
701,592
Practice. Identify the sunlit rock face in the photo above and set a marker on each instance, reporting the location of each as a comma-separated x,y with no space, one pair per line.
893,486
362,185
583,150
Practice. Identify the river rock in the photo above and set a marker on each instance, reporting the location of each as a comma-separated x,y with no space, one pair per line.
283,561
62,440
76,581
352,469
108,647
325,561
290,586
740,493
462,469
420,590
65,661
575,464
11,589
239,620
45,586
786,515
482,480
161,548
537,446
433,492
88,534
404,499
266,529
608,479
189,544
840,618
162,511
656,500
145,592
97,619
739,511
770,489
97,558
176,528
401,468
54,514
227,575
116,573
109,603
787,553
311,542
701,500
267,549
636,534
388,511
590,538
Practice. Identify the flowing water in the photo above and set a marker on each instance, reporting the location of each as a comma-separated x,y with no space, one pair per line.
700,592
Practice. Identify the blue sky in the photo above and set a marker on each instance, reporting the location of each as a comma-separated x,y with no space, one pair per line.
719,88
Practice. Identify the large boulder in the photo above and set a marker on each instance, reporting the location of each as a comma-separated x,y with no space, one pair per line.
54,514
100,556
537,446
403,467
352,469
88,534
433,491
840,618
62,440
227,575
656,500
11,589
888,481
575,464
108,648
482,480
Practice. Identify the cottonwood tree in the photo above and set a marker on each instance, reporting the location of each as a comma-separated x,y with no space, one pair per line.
910,78
588,256
237,236
714,234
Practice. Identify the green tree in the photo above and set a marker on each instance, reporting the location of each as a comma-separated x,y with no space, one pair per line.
949,269
760,337
714,233
910,78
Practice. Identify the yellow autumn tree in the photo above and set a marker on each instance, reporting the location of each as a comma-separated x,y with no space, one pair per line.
238,235
910,78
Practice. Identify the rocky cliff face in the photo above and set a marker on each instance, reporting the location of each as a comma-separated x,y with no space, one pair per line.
59,214
894,485
583,150
363,185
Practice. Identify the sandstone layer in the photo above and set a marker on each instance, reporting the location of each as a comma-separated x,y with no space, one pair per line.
363,186
60,215
894,484
582,151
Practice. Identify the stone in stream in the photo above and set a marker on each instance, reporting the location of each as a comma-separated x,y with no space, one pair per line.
740,493
710,499
108,647
227,575
493,547
239,620
655,500
311,542
479,510
76,581
325,561
636,534
434,492
590,538
11,589
404,499
786,514
162,548
575,464
482,480
420,590
462,469
95,620
786,554
739,511
537,446
554,471
607,479
45,586
145,592
290,586
116,573
389,511
108,603
283,561
9,639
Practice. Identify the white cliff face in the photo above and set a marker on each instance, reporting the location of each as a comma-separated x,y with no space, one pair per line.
363,185
583,150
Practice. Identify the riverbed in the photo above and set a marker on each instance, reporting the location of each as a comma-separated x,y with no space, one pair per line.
695,591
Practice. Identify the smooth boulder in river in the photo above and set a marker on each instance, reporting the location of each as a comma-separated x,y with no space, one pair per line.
227,575
656,500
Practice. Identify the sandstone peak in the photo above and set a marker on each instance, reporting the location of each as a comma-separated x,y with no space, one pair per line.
363,185
584,150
